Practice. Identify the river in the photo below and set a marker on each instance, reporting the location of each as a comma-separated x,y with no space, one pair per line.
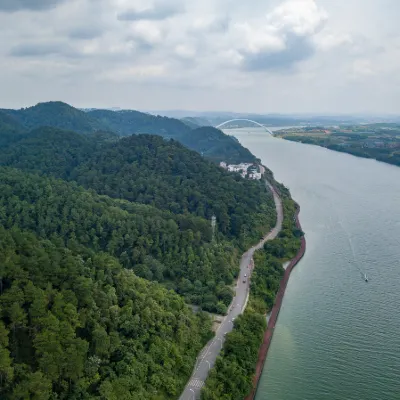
337,336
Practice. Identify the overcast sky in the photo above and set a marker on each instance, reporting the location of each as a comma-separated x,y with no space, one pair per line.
322,56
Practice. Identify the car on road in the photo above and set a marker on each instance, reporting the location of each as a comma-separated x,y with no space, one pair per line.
244,280
245,275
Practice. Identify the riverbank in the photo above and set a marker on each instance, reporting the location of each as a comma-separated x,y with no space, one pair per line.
373,149
275,311
209,355
321,348
240,353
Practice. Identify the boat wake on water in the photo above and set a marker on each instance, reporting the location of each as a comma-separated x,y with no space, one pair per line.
355,263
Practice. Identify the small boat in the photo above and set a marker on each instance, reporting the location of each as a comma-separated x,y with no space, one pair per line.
365,277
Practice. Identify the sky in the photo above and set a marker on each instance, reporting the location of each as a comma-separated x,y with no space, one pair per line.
259,56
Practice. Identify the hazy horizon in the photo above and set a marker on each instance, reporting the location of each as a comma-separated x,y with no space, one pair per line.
181,113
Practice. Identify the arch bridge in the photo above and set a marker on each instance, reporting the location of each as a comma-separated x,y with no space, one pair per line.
247,120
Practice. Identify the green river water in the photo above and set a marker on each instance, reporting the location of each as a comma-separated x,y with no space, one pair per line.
337,336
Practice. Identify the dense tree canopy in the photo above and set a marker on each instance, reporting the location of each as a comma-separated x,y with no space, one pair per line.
150,170
231,378
129,122
48,151
158,245
56,114
77,327
213,144
10,129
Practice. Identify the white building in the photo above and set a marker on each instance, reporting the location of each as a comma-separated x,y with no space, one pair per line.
255,175
243,168
234,168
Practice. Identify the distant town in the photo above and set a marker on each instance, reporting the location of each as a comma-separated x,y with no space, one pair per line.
246,170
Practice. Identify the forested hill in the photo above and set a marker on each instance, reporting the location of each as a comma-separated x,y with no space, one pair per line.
212,142
49,151
78,327
157,245
10,129
150,170
76,321
128,122
103,240
56,114
209,141
9,124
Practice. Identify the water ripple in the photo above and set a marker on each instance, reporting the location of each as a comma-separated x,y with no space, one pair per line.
337,337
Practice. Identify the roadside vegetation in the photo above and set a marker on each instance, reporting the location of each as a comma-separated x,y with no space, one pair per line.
240,352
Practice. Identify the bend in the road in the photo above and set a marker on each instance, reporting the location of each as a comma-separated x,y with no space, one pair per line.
209,354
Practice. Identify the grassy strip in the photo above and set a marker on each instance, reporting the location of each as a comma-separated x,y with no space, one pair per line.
232,376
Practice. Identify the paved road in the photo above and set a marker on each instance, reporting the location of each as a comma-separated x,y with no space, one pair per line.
209,354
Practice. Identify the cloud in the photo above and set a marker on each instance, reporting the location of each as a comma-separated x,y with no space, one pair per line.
137,73
38,49
202,54
296,48
210,23
35,5
301,17
362,68
147,32
159,11
283,38
85,32
185,51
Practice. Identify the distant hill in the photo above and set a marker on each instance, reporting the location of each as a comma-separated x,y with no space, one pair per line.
216,145
126,123
9,123
190,123
196,122
56,114
10,129
211,142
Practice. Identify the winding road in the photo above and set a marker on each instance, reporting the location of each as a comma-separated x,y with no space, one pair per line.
209,354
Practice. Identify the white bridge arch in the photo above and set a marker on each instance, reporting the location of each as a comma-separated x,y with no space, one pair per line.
244,119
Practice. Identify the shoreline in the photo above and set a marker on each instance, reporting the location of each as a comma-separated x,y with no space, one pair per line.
263,352
207,357
365,157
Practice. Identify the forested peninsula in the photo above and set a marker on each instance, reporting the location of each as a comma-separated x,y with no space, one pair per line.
106,244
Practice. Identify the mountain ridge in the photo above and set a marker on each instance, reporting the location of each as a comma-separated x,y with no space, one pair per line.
127,122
